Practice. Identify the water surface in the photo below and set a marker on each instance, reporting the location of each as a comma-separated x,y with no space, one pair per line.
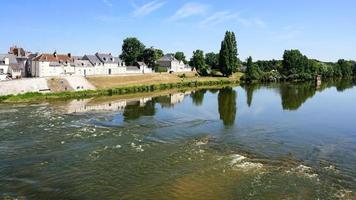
279,141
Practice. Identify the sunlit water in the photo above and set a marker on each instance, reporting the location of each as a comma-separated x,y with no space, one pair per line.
280,141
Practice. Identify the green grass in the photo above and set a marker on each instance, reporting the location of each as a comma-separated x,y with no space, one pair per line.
35,96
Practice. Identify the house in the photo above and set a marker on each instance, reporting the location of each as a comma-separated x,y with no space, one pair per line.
47,65
106,64
10,66
172,64
138,68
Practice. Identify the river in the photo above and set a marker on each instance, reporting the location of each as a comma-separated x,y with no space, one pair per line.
276,141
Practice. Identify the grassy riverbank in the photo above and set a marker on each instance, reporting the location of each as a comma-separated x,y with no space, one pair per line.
108,86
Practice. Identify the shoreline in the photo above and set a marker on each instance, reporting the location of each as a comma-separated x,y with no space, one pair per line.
33,97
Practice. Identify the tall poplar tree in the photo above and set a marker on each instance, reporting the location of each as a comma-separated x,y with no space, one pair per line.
228,61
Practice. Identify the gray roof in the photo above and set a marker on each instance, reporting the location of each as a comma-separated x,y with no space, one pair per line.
101,58
167,57
82,63
107,58
92,59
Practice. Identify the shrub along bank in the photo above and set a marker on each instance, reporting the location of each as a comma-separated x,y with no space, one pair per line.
36,96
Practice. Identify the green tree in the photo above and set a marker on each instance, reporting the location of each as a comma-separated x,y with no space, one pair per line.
252,70
180,56
227,105
212,60
132,51
198,61
158,53
228,61
151,55
345,68
294,63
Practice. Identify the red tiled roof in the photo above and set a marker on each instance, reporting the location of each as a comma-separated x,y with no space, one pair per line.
53,58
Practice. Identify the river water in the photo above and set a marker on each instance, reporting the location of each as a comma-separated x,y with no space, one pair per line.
278,141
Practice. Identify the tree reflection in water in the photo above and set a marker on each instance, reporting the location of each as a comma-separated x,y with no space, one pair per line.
198,97
227,105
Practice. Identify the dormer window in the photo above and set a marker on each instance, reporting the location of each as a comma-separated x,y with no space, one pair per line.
111,59
104,59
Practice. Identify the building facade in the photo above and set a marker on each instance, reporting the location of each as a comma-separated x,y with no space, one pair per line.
172,64
99,64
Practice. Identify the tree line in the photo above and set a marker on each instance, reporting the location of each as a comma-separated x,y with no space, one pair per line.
226,61
293,66
296,66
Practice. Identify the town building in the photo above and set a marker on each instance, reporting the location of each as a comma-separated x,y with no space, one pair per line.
11,66
99,64
172,64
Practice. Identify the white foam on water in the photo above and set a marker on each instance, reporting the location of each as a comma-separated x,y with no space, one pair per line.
239,162
303,170
138,148
236,158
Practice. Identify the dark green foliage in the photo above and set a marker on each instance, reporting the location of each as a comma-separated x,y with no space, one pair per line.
344,68
252,71
132,51
151,55
158,54
198,97
161,69
212,60
227,105
180,56
269,65
135,111
198,61
294,63
228,61
294,95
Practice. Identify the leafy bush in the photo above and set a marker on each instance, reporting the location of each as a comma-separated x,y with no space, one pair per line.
161,69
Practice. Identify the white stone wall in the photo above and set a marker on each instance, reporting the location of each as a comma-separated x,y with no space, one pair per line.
23,86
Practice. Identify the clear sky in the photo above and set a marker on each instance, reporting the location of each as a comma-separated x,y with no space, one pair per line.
321,29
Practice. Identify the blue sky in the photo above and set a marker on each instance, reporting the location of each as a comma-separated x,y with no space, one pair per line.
322,29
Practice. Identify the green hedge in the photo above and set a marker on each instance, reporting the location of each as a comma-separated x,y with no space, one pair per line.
112,91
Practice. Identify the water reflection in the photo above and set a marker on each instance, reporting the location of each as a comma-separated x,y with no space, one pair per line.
294,95
198,97
135,110
227,105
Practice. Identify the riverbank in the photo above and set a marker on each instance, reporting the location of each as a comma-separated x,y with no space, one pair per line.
118,85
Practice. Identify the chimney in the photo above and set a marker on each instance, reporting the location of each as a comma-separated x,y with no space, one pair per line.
69,55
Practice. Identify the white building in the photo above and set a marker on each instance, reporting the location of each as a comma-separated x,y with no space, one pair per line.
172,64
47,65
10,67
51,65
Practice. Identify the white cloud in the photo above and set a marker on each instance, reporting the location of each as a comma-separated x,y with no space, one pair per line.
224,16
219,17
147,8
190,9
107,3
